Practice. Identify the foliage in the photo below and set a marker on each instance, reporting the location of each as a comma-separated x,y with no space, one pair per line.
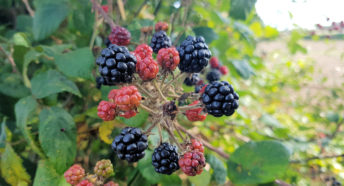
49,96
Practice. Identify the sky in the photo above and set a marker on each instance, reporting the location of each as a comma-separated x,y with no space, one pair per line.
285,14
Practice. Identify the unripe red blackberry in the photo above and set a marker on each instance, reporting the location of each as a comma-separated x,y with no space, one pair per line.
161,26
224,70
85,183
196,145
214,62
128,114
143,51
106,110
192,163
147,68
74,174
168,58
127,98
103,168
120,36
195,114
111,183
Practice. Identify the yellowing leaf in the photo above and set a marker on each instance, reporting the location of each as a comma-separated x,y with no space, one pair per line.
105,131
257,29
12,169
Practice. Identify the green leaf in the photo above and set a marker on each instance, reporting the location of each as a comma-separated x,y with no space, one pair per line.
24,23
243,68
24,109
332,116
12,168
201,180
3,135
220,172
78,63
51,82
137,120
239,9
48,17
20,39
208,33
270,121
47,175
245,32
171,180
58,145
11,85
82,20
258,162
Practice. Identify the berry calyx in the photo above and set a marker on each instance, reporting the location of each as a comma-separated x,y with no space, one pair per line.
224,70
127,98
103,168
161,26
147,68
143,51
196,114
85,183
160,40
168,58
74,174
106,110
214,62
194,54
116,65
130,144
220,99
120,36
165,159
111,183
192,163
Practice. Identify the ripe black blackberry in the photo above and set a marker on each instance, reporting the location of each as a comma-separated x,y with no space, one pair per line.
130,145
220,99
165,159
192,80
160,40
194,54
116,65
199,87
214,75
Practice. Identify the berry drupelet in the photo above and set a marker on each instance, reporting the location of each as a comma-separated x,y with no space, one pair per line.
165,159
160,40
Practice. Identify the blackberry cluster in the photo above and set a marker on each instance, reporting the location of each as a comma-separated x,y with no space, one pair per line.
332,181
120,36
165,159
74,174
192,80
220,99
194,54
85,183
213,75
116,65
160,40
192,163
130,145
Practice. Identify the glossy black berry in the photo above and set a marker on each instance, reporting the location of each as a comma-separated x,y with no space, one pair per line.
192,80
165,159
198,88
194,54
116,65
130,145
220,99
160,40
213,75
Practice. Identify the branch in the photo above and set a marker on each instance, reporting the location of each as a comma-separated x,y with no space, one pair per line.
159,90
28,8
317,158
10,58
147,109
335,132
205,143
106,17
140,8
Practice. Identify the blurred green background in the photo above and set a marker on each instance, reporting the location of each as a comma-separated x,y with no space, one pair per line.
285,60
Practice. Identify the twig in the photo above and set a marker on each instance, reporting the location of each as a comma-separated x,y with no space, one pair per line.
121,9
185,108
140,8
160,133
142,89
172,135
106,17
147,109
316,158
178,131
95,29
28,8
150,128
110,5
10,58
159,90
335,132
175,79
205,143
163,80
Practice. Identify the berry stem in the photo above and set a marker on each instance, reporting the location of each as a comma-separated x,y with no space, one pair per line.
185,108
106,17
151,128
181,75
205,143
163,80
159,90
160,133
142,89
166,126
178,131
147,109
